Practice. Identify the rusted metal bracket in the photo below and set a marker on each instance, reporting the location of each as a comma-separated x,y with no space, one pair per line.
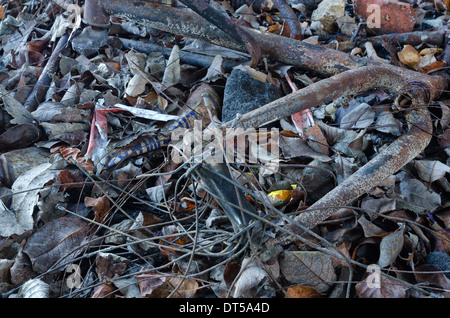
350,75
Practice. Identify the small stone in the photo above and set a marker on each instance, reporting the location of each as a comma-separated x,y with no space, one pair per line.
243,93
328,12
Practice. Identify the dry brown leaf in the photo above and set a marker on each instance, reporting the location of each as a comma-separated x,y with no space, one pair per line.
101,206
84,163
409,56
308,268
104,291
303,292
316,140
70,180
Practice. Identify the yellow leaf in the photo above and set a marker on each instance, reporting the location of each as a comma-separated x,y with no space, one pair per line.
409,56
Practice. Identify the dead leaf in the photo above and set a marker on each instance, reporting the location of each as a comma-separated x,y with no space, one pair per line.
101,207
34,288
308,268
172,73
136,85
303,292
390,247
369,228
70,180
316,140
104,291
431,274
20,136
25,200
431,170
57,240
159,285
110,266
409,56
251,275
74,153
418,197
360,117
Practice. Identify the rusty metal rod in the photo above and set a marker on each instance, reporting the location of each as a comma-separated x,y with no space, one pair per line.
41,87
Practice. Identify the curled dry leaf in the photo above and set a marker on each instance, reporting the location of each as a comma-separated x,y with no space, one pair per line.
104,291
101,206
34,288
409,56
307,268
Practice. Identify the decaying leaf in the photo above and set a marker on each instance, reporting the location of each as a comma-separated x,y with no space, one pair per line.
250,276
390,247
303,292
159,285
419,198
57,240
74,153
431,170
431,274
307,268
25,201
34,288
110,266
361,117
100,205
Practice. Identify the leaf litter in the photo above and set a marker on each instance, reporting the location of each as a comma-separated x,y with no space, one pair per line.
148,228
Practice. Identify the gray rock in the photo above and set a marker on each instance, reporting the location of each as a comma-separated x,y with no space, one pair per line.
243,93
89,41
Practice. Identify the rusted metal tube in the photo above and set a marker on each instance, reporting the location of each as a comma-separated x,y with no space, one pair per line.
412,38
42,85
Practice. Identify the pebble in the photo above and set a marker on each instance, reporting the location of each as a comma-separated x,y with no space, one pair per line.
243,93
